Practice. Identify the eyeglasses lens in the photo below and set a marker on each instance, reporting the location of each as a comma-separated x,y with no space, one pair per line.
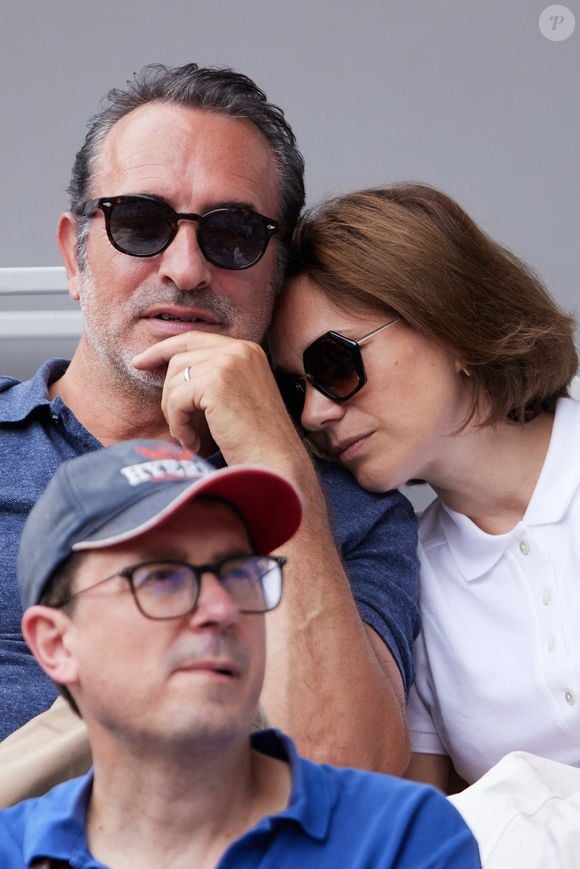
253,583
331,365
232,239
166,590
140,227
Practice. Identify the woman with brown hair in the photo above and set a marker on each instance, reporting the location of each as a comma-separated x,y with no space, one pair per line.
410,346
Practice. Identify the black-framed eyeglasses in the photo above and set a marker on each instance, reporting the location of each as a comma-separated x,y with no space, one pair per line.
170,589
333,365
233,237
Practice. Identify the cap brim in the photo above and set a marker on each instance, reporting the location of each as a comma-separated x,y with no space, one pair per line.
270,505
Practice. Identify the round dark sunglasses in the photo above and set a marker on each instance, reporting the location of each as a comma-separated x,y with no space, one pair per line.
333,365
232,237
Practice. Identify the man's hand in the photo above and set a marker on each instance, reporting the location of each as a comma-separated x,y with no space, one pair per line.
231,383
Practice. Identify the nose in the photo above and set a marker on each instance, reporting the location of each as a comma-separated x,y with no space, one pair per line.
215,606
182,262
319,410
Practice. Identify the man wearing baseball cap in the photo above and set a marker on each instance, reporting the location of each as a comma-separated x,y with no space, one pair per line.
144,573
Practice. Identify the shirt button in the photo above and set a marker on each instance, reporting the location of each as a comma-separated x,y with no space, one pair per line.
546,597
570,699
551,644
524,547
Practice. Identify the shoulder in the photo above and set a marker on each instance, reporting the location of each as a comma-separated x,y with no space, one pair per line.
20,398
49,825
354,510
13,826
395,816
565,429
566,418
569,407
7,383
361,785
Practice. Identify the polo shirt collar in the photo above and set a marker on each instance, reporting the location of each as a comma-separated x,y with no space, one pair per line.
312,798
56,824
474,551
56,827
19,400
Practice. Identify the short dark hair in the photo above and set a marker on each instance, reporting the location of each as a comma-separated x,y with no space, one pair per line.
411,250
216,89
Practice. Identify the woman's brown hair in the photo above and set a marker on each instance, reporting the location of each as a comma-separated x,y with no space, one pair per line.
411,250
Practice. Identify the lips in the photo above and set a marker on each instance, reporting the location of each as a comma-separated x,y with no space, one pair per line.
169,320
221,668
175,314
172,319
339,449
209,654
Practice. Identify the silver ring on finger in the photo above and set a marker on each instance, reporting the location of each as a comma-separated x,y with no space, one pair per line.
186,374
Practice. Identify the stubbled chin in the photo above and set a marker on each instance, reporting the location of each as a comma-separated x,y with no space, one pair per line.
154,379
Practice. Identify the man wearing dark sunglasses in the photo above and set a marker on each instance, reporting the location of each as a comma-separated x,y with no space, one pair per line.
183,198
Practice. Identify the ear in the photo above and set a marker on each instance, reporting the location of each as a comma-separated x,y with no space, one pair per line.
67,242
461,367
47,632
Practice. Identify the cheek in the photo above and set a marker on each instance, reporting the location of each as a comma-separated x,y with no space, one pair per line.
249,287
115,633
252,305
416,376
113,271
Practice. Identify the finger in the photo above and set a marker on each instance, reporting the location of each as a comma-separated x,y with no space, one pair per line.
157,355
162,352
180,415
182,401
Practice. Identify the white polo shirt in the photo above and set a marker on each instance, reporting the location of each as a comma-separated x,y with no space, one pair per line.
498,657
524,812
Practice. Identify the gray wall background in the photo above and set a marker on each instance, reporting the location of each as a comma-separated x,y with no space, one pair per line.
465,94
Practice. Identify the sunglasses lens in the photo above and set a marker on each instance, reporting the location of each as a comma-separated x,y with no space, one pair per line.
233,238
140,227
332,366
292,392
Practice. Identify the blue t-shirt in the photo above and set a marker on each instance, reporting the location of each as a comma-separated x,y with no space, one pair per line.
376,534
334,818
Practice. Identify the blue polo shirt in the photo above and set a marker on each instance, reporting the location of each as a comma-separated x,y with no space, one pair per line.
377,536
335,818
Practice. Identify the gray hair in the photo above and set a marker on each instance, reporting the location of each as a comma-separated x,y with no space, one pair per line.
217,89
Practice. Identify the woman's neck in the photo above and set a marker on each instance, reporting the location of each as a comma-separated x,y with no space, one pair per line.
494,472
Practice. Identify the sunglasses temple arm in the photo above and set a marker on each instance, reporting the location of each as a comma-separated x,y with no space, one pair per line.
376,331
